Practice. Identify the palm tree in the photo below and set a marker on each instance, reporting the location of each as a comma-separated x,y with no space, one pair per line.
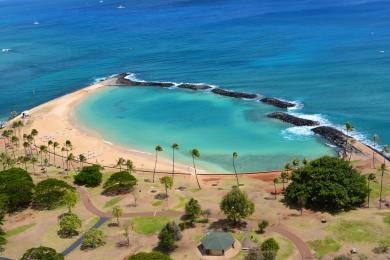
385,150
26,145
158,148
383,169
375,140
370,177
284,177
276,180
68,146
174,147
117,213
4,160
55,145
82,160
69,159
63,149
195,154
33,162
14,141
49,143
349,128
42,149
6,134
34,133
129,166
234,157
120,162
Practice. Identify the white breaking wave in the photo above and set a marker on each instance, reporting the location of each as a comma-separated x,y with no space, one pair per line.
6,50
99,79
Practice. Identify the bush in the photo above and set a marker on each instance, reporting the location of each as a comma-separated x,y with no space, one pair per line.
382,248
342,257
262,225
16,189
89,176
49,194
192,209
42,253
93,239
168,235
327,184
69,223
118,183
254,253
236,205
150,256
269,248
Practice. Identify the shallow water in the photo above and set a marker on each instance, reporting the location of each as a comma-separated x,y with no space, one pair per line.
217,126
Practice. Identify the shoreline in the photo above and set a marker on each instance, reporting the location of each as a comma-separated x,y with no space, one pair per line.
64,125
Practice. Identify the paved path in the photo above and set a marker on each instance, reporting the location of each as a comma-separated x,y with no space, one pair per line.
77,243
303,249
91,208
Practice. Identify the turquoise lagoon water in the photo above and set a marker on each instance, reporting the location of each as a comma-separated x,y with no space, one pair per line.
141,118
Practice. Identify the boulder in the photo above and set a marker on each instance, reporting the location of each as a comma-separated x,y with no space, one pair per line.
277,102
224,92
292,119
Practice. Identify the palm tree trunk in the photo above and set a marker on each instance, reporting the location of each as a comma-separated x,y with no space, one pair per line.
275,189
54,156
368,195
380,193
155,165
196,176
235,171
173,163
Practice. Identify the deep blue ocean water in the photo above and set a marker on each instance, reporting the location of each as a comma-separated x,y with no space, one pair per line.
332,56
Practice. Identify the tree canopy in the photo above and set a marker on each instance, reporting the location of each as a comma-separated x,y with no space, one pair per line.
93,238
119,183
42,253
69,223
236,205
16,189
49,194
269,248
168,236
327,184
89,176
150,256
192,209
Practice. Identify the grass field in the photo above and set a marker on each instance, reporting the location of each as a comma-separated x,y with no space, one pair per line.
323,247
358,231
112,202
149,225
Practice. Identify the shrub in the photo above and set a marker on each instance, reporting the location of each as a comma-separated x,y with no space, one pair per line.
382,248
49,194
42,253
168,235
192,209
342,257
69,223
16,189
89,176
327,184
150,256
118,183
236,205
269,248
93,238
254,253
262,225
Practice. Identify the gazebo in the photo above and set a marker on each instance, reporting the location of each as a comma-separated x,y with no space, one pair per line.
217,243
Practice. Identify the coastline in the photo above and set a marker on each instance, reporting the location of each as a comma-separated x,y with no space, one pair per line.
65,126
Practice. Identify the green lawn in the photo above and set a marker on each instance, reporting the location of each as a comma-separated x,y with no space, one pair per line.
18,230
323,247
157,203
112,202
358,231
180,204
149,225
386,218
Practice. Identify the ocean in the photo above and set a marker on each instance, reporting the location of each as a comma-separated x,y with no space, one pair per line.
332,57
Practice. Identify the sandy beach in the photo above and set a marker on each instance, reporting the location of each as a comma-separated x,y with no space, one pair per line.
55,121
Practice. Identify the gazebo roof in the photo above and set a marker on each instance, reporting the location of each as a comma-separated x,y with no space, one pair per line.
217,240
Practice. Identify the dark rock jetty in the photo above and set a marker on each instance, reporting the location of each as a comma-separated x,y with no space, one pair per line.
277,102
331,134
294,120
224,92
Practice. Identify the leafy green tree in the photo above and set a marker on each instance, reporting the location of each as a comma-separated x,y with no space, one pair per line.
327,184
158,149
17,186
89,176
192,209
262,226
117,212
93,238
167,181
150,256
3,241
69,224
70,200
269,248
49,194
168,236
195,155
42,253
119,183
236,205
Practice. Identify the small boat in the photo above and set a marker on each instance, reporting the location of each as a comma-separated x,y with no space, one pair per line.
121,7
